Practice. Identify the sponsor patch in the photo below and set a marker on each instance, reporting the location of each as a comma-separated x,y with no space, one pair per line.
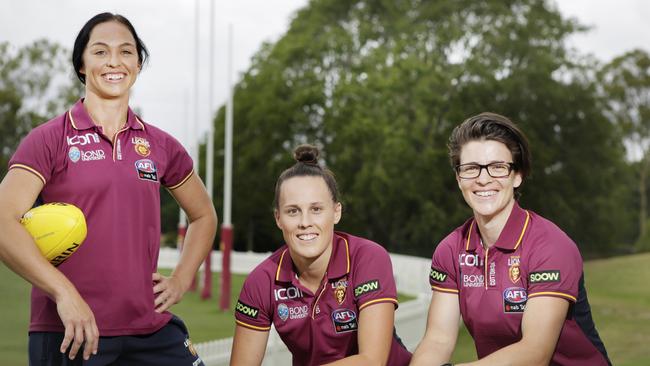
287,293
544,276
283,312
344,320
366,287
471,260
146,170
473,280
247,310
93,155
298,312
514,273
82,140
437,275
514,300
74,154
493,274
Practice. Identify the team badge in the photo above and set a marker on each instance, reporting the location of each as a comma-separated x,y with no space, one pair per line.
339,293
74,154
146,170
514,273
344,320
283,312
514,300
142,150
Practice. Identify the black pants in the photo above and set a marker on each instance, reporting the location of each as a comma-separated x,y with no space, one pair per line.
170,346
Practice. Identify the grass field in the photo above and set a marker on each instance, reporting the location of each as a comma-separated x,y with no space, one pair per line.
618,292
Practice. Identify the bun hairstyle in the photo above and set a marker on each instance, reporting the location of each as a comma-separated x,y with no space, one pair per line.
306,165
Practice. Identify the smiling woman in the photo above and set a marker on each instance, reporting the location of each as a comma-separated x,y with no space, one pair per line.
514,277
101,157
330,295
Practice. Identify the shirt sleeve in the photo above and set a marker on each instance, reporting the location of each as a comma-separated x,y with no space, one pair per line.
180,167
35,154
554,267
373,277
442,276
253,306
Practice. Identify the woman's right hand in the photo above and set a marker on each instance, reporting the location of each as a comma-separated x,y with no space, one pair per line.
80,326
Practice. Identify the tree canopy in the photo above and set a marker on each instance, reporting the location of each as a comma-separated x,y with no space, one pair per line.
378,86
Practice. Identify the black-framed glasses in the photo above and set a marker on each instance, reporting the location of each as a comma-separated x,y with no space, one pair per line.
495,170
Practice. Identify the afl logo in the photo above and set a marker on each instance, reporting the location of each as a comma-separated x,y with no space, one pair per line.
515,295
344,320
74,154
283,311
146,170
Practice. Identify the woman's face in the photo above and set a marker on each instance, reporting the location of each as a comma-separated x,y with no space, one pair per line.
110,61
306,215
488,197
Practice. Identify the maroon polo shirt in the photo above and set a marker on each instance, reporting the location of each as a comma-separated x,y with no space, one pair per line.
532,257
116,185
321,327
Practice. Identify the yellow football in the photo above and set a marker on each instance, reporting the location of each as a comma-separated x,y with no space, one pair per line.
57,228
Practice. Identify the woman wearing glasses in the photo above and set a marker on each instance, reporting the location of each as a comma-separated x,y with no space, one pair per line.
514,277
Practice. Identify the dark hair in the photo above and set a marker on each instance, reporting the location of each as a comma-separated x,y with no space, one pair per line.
81,41
492,126
306,157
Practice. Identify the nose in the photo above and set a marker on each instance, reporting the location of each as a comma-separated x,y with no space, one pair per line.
305,220
483,176
114,60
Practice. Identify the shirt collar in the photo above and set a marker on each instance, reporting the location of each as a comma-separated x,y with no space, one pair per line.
80,119
511,236
338,266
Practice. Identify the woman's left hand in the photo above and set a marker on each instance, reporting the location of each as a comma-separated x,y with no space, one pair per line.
167,291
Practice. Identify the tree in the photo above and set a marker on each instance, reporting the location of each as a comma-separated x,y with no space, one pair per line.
379,84
32,90
626,87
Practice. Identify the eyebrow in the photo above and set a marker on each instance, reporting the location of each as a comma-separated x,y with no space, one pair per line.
100,43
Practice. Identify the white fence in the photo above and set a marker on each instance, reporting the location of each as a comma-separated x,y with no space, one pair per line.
411,276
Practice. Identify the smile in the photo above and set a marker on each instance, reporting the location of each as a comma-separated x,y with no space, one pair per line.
307,237
485,193
113,77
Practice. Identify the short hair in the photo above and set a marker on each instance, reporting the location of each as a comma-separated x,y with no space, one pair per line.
83,37
492,126
306,157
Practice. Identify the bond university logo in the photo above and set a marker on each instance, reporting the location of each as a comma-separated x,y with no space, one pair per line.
437,275
283,312
544,276
247,310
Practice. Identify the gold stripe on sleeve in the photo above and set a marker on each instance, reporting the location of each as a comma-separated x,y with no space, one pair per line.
551,293
442,289
385,299
181,182
29,169
251,326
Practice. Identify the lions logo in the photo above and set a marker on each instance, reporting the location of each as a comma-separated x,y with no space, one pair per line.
339,294
514,272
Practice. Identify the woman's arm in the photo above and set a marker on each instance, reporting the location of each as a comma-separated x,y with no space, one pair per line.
374,336
18,191
541,326
248,347
439,340
194,200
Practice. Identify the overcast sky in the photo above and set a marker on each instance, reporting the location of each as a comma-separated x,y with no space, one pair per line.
165,93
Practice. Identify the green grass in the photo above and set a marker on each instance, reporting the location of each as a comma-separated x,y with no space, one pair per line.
618,292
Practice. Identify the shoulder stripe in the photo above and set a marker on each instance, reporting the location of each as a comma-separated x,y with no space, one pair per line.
469,234
277,273
29,169
551,293
239,322
523,230
182,181
375,301
442,289
72,119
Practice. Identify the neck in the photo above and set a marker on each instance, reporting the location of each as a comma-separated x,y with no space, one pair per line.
312,270
490,227
109,114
